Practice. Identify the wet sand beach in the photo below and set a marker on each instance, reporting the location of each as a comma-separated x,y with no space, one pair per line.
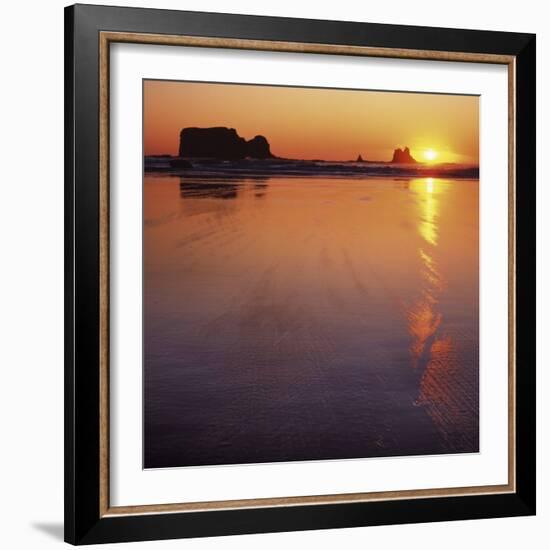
309,318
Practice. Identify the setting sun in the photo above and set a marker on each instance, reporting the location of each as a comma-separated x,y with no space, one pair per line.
430,155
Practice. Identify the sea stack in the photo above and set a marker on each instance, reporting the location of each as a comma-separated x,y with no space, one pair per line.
359,159
221,143
403,157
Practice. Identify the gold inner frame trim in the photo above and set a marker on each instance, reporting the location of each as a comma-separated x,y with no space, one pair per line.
105,39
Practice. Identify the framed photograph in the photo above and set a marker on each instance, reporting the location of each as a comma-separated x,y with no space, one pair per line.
300,274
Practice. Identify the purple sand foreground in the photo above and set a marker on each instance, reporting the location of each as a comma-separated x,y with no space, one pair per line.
306,318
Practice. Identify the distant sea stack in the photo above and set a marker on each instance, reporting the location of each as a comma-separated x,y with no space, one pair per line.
403,157
359,159
221,143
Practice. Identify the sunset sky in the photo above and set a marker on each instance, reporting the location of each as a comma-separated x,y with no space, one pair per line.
312,123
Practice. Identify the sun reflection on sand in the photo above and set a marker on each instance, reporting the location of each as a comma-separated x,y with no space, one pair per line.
424,317
427,194
433,352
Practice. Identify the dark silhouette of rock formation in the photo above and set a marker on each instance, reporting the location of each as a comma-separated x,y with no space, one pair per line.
359,159
221,143
258,148
403,157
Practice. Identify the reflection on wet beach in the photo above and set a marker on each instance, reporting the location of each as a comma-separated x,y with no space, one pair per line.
220,188
423,314
448,389
332,318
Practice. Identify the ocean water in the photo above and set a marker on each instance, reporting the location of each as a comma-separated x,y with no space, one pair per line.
308,318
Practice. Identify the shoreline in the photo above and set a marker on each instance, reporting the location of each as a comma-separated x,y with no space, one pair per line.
205,168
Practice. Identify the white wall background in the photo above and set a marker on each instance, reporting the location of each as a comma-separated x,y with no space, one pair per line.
31,274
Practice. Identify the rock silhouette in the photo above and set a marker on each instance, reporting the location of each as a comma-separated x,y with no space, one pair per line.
403,157
221,143
359,159
258,148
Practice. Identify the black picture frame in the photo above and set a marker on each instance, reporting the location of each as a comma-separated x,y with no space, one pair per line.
84,524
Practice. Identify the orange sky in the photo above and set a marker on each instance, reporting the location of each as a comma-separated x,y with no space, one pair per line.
312,123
